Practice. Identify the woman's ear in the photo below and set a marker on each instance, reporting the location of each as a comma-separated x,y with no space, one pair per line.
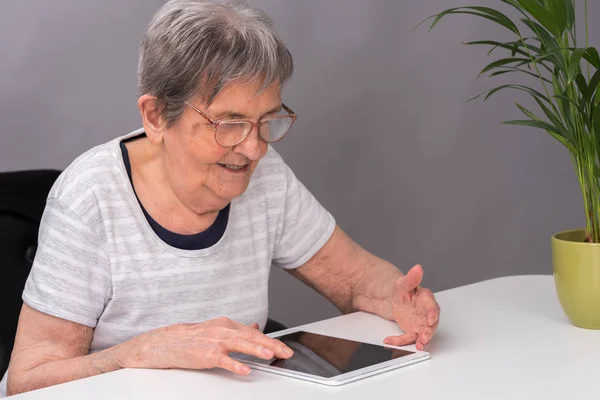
154,124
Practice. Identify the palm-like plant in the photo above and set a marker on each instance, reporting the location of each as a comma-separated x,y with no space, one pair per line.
567,78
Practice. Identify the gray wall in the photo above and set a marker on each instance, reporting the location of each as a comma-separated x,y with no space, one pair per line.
384,137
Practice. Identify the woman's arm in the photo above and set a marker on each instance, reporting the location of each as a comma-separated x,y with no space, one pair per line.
350,277
354,279
50,350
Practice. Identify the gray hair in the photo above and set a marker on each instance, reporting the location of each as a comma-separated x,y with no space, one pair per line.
198,47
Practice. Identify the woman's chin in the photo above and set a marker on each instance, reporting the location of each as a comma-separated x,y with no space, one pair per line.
229,193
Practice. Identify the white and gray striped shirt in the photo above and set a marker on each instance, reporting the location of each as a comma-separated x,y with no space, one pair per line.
100,264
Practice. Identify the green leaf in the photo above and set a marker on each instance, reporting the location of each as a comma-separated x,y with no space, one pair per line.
561,138
545,126
513,3
514,47
514,69
564,105
556,81
551,53
529,64
581,110
528,113
593,87
540,14
591,56
502,18
528,48
569,14
570,100
554,56
546,38
517,6
529,90
501,62
555,120
597,122
483,12
575,64
581,84
558,10
564,56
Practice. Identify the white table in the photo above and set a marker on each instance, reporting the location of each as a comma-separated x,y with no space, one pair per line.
505,338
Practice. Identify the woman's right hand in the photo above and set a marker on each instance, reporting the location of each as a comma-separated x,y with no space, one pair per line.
201,346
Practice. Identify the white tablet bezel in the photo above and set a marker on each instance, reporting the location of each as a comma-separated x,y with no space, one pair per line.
348,376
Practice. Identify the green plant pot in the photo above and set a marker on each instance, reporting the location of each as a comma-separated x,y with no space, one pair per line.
577,277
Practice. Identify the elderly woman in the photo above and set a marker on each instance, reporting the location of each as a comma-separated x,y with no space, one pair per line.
155,248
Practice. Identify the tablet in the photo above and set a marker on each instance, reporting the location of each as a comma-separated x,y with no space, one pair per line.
333,361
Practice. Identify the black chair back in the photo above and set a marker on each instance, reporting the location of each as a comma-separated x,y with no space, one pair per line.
22,200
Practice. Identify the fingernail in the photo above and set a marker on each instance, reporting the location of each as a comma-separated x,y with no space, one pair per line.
267,353
287,351
432,320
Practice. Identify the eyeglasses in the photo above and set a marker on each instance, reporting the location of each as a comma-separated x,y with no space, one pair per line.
232,132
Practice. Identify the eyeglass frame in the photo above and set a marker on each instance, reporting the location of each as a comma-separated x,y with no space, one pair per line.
215,124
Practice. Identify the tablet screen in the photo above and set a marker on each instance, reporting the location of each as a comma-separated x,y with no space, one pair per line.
328,356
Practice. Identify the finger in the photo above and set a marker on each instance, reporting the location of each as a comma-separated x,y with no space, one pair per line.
242,345
411,280
276,346
434,327
425,336
232,365
402,340
254,325
428,306
433,317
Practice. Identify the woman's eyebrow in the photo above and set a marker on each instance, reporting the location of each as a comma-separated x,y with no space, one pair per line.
237,115
272,111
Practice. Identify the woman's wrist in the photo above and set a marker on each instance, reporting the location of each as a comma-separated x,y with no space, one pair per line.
374,292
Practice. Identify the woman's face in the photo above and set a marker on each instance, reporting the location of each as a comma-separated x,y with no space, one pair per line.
202,173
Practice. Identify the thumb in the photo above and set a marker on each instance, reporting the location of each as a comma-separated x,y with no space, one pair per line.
411,280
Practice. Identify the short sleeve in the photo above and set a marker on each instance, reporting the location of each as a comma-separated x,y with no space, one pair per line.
70,277
306,225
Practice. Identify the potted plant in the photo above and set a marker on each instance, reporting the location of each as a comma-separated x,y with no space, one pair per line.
565,86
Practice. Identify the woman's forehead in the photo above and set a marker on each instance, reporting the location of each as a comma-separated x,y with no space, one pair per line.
245,100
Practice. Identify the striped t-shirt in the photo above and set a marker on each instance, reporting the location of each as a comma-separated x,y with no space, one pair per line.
100,264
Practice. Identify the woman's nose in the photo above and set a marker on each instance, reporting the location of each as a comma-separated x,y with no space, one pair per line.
251,145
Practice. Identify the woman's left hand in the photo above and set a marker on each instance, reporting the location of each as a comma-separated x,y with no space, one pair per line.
414,309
